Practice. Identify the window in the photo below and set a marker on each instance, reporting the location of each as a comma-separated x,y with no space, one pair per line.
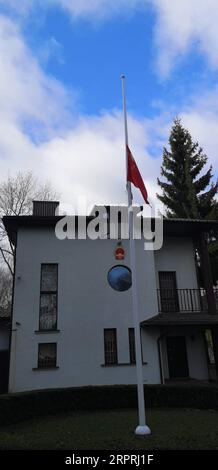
110,346
47,355
120,278
48,297
132,346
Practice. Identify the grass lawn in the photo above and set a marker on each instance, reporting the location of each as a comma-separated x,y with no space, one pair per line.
113,430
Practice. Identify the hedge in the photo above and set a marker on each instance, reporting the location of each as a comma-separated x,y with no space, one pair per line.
23,406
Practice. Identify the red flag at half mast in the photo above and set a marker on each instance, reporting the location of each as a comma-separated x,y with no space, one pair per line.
134,176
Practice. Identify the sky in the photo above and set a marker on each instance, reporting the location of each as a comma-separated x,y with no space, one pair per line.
60,89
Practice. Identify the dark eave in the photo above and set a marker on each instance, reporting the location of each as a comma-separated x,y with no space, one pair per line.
182,319
171,227
188,227
13,223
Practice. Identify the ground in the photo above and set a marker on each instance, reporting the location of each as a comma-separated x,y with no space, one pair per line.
114,430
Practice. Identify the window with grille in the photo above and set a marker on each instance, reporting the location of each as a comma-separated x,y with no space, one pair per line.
110,346
132,346
47,355
48,297
168,291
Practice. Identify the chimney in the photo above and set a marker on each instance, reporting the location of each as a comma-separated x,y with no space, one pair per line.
45,208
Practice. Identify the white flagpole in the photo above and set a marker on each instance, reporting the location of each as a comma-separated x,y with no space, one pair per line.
142,428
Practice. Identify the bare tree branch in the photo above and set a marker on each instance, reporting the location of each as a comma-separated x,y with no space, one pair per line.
6,251
5,292
16,197
6,261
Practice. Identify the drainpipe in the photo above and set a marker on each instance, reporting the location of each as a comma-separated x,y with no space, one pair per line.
160,356
207,274
208,282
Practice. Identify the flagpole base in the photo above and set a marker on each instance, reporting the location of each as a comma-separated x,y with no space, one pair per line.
142,430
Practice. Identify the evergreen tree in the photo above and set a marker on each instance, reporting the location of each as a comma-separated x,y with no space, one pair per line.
186,191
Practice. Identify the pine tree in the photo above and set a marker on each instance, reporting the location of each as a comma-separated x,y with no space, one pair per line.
186,192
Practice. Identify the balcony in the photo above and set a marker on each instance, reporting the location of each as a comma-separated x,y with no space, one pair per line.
183,300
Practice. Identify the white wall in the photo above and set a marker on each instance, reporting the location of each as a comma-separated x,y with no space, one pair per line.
86,305
177,255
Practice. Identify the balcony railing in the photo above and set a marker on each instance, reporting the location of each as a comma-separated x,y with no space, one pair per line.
183,300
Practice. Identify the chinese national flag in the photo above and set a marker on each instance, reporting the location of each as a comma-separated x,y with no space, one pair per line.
134,176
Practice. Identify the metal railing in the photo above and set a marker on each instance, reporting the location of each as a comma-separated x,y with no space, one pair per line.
183,300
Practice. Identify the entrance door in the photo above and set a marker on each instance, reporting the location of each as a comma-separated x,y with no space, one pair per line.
177,357
168,291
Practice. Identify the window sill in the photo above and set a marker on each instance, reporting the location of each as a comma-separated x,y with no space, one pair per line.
45,368
121,364
46,331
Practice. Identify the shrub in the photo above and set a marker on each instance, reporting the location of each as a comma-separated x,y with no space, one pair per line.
22,406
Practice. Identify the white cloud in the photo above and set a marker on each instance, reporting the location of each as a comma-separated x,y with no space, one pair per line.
101,8
97,9
27,94
182,24
51,49
201,118
87,159
90,160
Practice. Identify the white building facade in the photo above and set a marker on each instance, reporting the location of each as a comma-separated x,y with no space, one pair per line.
70,328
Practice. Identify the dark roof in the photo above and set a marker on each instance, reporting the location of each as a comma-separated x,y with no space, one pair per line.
182,319
171,227
188,227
